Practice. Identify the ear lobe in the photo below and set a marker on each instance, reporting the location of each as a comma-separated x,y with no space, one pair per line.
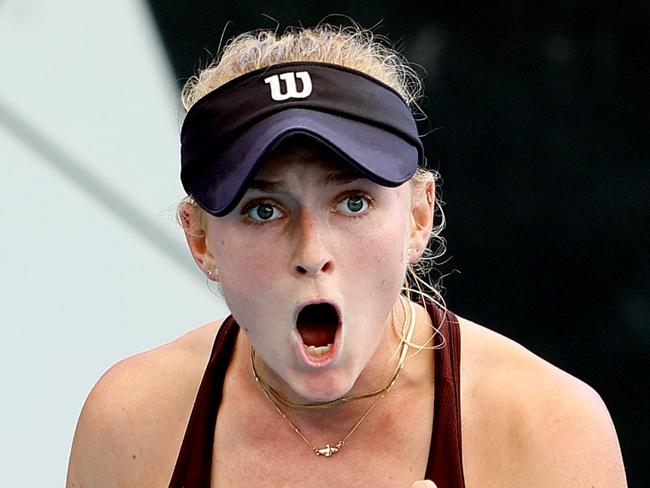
422,212
198,245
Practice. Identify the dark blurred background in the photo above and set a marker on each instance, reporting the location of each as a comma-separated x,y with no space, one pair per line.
544,155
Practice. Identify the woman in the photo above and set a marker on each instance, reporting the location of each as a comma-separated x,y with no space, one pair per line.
308,205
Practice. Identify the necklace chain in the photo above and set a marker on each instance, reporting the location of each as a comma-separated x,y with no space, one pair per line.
329,450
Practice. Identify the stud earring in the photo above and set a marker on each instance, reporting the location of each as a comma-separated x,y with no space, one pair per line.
213,275
411,252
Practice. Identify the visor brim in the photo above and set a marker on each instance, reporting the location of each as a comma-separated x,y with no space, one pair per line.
381,155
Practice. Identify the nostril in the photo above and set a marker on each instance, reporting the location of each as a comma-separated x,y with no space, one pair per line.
323,267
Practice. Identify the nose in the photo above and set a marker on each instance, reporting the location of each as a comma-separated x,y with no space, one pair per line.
311,256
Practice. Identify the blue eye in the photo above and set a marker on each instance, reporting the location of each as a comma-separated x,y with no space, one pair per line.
353,204
263,212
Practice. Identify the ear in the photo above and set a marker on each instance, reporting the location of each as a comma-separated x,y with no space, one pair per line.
423,198
193,222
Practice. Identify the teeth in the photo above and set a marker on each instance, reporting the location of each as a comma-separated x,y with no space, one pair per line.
318,351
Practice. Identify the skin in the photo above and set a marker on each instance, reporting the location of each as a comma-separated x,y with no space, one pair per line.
525,423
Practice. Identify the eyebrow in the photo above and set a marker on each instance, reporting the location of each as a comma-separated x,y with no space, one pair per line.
332,179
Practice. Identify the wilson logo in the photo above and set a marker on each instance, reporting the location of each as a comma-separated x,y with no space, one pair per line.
291,88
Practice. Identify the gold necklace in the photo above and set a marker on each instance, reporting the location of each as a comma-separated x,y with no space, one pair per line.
269,390
329,450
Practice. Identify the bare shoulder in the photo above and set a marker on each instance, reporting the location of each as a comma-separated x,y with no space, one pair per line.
133,420
528,423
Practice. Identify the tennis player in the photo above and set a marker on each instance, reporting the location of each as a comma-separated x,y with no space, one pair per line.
310,206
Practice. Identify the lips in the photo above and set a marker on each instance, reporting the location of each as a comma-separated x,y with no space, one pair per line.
318,325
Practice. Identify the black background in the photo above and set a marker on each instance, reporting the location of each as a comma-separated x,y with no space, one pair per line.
544,156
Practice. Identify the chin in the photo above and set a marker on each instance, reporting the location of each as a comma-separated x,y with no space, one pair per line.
323,387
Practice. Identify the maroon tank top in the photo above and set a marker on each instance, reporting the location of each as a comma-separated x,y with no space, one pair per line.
444,466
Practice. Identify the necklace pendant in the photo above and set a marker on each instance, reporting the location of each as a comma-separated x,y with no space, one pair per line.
328,450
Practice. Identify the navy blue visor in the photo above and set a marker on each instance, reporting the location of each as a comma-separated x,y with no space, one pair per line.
227,133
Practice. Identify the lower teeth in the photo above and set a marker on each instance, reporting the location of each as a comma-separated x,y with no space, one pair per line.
320,350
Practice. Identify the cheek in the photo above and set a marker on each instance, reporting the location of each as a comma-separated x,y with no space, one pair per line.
378,257
244,262
248,282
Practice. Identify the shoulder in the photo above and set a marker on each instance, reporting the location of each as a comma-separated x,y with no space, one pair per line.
540,425
133,420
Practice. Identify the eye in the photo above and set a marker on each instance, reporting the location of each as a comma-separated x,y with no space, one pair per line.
353,204
263,212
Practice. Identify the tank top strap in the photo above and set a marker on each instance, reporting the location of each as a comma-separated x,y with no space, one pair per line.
445,463
194,463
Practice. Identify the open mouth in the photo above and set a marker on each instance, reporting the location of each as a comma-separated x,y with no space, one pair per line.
317,325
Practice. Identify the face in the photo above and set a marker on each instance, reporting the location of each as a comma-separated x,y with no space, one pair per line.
312,230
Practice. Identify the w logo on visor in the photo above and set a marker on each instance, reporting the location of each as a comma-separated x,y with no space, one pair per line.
290,85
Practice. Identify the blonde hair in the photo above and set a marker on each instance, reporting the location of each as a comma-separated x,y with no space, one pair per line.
353,47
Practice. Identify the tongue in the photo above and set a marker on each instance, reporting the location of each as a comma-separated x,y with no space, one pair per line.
316,334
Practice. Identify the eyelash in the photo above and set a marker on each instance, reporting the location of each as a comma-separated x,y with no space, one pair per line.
355,215
254,203
351,194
